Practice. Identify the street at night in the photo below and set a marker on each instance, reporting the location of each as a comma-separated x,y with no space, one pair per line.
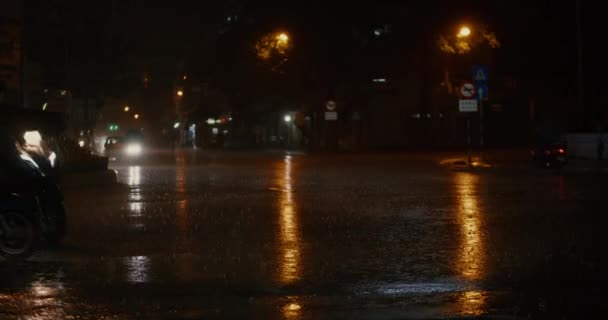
332,159
280,235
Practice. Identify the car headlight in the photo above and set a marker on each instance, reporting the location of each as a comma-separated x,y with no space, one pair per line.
134,149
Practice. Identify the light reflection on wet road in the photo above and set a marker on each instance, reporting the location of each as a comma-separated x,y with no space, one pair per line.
471,257
289,230
293,236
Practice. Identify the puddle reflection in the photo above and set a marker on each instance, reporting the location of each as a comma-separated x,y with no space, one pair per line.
43,299
184,266
135,200
137,269
134,176
293,309
471,260
289,237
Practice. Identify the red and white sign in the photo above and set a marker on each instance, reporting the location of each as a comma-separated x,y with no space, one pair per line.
467,90
330,105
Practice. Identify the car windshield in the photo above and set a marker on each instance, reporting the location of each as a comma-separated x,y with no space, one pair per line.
113,140
329,159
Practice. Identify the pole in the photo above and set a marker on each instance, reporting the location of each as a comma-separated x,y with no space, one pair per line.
580,75
22,47
481,142
469,141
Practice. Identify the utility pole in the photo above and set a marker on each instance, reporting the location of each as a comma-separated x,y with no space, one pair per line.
584,118
21,73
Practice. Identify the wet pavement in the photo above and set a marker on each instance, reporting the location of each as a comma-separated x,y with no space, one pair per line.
207,235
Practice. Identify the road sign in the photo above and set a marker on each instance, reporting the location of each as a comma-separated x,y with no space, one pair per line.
331,116
482,90
467,105
467,90
330,105
480,73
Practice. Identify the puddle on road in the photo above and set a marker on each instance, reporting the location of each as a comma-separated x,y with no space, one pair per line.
46,297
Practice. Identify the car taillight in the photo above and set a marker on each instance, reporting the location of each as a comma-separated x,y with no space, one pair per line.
561,151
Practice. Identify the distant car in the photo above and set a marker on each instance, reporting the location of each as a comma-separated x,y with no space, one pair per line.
123,147
113,145
554,155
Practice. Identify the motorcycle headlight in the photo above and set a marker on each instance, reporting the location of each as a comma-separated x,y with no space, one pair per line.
134,149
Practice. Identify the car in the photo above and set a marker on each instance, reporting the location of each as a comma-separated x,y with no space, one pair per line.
553,155
128,147
113,145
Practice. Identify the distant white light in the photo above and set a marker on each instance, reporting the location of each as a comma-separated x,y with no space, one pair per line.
176,125
210,121
379,80
287,118
226,131
229,19
378,32
44,106
81,143
215,131
64,92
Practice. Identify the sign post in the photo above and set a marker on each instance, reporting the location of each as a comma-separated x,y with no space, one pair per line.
469,149
468,103
480,76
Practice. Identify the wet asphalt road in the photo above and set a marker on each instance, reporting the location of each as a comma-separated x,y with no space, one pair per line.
291,236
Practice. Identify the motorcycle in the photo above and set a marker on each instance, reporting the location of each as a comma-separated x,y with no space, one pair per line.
31,203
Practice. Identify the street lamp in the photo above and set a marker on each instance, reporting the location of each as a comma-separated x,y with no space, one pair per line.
283,37
136,116
464,32
180,93
126,109
288,120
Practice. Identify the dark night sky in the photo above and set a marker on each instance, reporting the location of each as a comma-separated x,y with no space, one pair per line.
532,32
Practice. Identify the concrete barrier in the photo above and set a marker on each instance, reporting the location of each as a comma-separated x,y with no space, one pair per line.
584,145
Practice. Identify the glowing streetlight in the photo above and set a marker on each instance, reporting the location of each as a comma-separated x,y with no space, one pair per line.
136,116
180,93
126,109
287,118
283,37
464,32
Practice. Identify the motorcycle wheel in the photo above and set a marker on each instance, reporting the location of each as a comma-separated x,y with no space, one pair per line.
17,236
57,226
